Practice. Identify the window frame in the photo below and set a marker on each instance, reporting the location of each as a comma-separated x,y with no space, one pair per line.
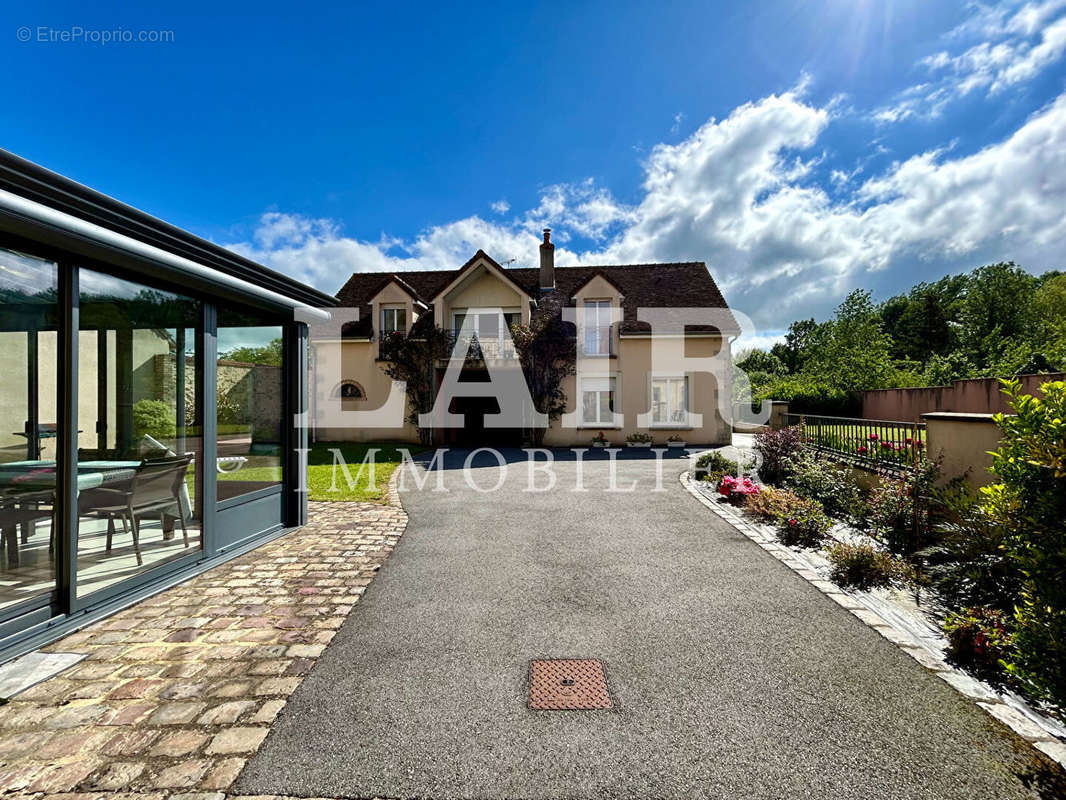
685,411
394,309
613,402
599,305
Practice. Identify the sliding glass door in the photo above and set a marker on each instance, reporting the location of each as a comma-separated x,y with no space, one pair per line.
139,440
28,429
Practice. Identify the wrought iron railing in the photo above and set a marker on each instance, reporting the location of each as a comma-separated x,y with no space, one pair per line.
879,444
483,347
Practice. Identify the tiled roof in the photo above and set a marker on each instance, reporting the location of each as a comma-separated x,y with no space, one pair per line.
678,285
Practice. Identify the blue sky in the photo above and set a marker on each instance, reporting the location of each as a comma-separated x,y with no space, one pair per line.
800,148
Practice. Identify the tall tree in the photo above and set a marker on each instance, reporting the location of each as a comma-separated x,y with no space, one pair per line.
413,359
547,352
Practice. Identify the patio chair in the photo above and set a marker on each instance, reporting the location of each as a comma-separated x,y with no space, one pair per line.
155,487
24,508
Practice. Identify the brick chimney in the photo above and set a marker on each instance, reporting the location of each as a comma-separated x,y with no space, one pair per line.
547,262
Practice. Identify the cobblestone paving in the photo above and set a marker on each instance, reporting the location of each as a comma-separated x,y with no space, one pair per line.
178,691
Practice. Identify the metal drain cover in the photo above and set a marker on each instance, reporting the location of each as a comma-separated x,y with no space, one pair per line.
568,684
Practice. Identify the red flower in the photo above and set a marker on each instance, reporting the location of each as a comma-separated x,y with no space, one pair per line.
862,450
886,445
873,437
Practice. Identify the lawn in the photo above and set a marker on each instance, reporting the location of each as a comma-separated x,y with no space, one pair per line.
322,484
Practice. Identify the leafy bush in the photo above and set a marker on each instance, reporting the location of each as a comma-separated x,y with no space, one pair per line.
978,639
639,438
832,485
1030,501
968,565
863,566
714,466
899,508
777,449
230,411
772,505
806,526
154,418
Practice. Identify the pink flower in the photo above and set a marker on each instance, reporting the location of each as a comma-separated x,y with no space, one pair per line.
873,437
910,441
862,450
886,445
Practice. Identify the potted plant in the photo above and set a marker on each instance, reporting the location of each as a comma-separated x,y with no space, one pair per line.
638,440
675,441
599,440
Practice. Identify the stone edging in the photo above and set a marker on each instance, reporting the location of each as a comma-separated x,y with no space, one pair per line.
990,701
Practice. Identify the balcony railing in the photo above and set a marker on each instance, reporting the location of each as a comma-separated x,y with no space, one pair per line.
484,347
883,445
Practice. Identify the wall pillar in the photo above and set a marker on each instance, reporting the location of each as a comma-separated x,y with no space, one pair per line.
962,441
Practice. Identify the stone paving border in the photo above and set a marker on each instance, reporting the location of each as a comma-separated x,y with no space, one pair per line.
975,691
177,692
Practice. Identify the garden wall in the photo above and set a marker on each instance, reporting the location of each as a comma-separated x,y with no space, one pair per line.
975,396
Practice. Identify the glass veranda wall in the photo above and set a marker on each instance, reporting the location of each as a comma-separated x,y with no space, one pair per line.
145,432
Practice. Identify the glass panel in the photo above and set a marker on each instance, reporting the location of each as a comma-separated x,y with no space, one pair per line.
677,401
588,407
28,358
250,403
139,442
606,405
658,401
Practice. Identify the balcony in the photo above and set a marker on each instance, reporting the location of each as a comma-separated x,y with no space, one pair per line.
484,347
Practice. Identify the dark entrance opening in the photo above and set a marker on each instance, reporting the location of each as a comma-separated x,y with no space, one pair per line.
474,432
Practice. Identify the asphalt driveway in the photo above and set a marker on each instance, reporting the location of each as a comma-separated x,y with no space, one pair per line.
733,676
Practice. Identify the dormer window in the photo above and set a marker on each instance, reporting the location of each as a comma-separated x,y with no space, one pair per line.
393,320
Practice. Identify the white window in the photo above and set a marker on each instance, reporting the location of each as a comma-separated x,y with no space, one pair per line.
597,322
393,319
491,328
669,401
597,401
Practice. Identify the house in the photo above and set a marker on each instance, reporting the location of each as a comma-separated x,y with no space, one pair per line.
617,389
134,450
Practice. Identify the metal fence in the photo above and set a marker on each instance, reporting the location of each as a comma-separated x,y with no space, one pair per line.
878,444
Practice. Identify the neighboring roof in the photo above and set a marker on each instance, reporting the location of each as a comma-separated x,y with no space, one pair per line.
34,182
678,285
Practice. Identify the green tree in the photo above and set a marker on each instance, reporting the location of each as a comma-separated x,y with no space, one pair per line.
547,351
793,352
1030,500
413,359
268,354
996,311
850,352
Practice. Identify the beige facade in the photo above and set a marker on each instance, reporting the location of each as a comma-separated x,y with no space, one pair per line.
666,403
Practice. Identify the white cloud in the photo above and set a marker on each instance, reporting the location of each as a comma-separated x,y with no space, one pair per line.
743,194
500,206
996,49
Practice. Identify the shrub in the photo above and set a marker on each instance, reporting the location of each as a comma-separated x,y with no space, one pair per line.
714,466
639,438
154,418
773,505
978,639
1030,501
863,566
806,526
737,490
776,449
899,508
968,566
832,485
